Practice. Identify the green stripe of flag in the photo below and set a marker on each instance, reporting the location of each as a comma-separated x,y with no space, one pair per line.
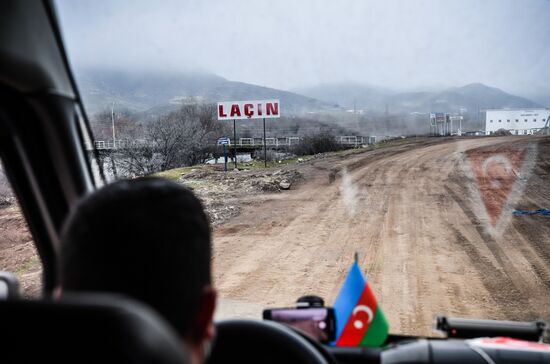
378,331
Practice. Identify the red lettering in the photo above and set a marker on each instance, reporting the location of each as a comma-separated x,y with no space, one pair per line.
272,108
259,109
235,111
248,110
220,111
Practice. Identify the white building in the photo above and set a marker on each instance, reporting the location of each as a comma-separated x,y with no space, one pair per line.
518,121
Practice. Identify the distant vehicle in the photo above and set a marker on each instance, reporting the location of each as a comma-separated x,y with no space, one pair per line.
474,133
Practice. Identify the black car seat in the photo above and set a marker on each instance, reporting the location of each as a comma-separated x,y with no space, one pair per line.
86,329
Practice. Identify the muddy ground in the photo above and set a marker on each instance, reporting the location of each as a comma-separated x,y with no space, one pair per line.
411,209
423,237
17,251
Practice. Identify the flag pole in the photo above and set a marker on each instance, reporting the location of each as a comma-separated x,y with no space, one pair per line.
356,257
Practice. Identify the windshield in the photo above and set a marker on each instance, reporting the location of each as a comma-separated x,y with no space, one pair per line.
408,136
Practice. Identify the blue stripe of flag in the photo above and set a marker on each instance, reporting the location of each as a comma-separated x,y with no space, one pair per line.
350,294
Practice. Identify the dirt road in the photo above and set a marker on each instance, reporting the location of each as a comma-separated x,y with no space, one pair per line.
412,213
432,236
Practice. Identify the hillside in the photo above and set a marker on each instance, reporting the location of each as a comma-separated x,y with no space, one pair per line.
348,95
471,97
153,93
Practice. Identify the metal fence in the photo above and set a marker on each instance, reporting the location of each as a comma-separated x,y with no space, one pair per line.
349,140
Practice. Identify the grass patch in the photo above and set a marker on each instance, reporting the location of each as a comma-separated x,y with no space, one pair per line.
176,173
259,164
31,264
194,185
350,151
397,141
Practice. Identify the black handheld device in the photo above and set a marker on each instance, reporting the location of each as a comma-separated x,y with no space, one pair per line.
317,322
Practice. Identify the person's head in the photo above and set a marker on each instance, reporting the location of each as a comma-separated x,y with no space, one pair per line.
147,238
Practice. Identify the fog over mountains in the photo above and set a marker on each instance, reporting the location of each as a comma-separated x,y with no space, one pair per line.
155,93
160,92
472,97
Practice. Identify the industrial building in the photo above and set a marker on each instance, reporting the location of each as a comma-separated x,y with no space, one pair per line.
442,124
517,121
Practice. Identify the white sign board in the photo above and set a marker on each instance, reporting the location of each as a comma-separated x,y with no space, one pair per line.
253,109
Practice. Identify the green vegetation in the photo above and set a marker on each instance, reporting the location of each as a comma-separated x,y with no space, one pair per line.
258,164
176,173
351,151
193,182
29,265
394,142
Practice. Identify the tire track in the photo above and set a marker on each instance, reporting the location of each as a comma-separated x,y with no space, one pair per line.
423,248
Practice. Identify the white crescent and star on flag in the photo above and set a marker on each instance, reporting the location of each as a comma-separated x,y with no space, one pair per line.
358,323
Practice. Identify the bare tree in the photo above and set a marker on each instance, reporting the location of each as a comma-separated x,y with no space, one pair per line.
321,142
102,123
182,138
201,130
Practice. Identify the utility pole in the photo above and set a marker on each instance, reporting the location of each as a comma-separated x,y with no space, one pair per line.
113,165
113,123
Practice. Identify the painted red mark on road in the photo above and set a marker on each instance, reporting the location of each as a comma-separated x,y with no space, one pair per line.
496,171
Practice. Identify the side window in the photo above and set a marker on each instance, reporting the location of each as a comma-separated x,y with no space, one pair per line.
89,150
18,254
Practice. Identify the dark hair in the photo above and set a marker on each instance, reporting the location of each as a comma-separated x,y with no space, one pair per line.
147,238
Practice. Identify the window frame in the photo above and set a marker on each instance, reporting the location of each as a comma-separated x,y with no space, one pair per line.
41,139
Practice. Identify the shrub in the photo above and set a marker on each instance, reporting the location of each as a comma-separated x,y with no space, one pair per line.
316,143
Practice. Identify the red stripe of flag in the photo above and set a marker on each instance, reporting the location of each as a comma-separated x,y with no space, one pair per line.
359,321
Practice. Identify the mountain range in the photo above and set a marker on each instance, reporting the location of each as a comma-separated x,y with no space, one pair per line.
155,93
160,92
470,98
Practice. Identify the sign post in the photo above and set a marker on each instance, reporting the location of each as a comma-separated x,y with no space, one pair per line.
235,142
243,110
265,150
224,158
224,141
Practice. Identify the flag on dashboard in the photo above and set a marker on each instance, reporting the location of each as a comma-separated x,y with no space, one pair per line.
359,319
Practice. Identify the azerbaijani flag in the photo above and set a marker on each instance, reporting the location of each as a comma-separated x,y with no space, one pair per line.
359,319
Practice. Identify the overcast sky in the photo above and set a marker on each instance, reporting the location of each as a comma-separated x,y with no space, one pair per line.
403,44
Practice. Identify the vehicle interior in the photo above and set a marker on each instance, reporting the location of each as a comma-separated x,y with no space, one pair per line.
44,130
